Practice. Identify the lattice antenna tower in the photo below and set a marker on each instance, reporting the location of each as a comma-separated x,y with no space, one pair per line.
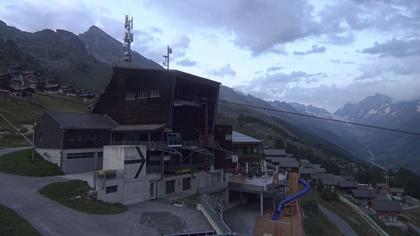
128,38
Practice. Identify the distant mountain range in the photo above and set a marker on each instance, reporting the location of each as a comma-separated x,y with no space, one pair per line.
109,50
86,60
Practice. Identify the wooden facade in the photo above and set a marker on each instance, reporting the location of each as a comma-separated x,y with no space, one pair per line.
185,103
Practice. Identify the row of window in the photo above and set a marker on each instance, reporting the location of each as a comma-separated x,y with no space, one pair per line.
84,155
145,94
87,139
170,185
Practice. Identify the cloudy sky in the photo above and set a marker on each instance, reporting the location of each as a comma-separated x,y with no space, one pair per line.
324,53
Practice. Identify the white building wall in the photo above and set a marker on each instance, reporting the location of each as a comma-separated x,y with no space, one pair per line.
51,155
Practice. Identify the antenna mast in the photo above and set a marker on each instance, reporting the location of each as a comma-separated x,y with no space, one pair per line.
166,57
128,38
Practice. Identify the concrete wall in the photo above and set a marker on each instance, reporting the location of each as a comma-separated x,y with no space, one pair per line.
80,164
51,155
128,192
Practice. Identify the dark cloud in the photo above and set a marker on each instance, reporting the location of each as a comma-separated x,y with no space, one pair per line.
258,26
396,48
388,71
180,45
274,68
261,26
270,83
224,71
74,16
338,61
314,49
186,62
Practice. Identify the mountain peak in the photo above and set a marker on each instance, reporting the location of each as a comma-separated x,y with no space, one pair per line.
95,29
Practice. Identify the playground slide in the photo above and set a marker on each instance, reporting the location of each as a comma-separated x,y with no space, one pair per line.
280,205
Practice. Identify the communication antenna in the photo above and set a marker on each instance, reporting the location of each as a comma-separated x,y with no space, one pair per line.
166,57
128,38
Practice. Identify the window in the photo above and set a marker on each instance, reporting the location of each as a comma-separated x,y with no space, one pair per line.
154,93
152,190
170,186
142,95
111,189
130,96
186,184
80,155
174,139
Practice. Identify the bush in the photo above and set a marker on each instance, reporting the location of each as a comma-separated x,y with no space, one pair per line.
329,196
74,194
21,163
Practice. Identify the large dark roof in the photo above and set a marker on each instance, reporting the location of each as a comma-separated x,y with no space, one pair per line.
386,205
242,138
175,73
146,127
73,120
363,193
275,152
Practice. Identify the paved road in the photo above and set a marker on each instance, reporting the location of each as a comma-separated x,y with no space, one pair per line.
341,224
50,218
365,217
415,228
4,150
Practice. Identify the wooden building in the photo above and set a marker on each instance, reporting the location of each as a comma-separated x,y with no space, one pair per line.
72,140
165,109
249,150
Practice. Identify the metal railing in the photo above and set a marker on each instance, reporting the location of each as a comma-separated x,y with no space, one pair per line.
214,216
155,145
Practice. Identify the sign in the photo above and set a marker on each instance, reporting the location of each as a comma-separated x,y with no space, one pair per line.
235,158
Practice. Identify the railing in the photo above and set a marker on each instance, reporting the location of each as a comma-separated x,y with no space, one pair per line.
214,217
155,144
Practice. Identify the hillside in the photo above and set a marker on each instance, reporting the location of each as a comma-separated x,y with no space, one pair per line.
109,50
389,149
61,54
11,55
23,113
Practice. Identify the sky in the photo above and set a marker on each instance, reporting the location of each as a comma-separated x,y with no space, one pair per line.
324,53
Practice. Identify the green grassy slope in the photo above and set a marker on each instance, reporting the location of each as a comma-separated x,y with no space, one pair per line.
23,113
11,224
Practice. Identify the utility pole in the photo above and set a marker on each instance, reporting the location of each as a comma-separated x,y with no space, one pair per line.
167,57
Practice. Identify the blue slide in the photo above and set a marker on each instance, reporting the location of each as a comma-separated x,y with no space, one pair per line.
280,205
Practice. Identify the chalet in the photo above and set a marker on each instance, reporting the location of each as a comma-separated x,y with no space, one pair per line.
397,193
271,154
168,114
51,88
364,195
386,210
347,185
248,149
224,156
327,180
73,140
287,164
382,188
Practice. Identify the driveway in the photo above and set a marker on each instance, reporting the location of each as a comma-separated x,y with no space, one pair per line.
50,218
341,224
5,150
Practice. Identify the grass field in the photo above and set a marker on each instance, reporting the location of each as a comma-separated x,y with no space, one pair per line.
23,113
412,216
346,213
21,163
315,222
74,194
11,224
